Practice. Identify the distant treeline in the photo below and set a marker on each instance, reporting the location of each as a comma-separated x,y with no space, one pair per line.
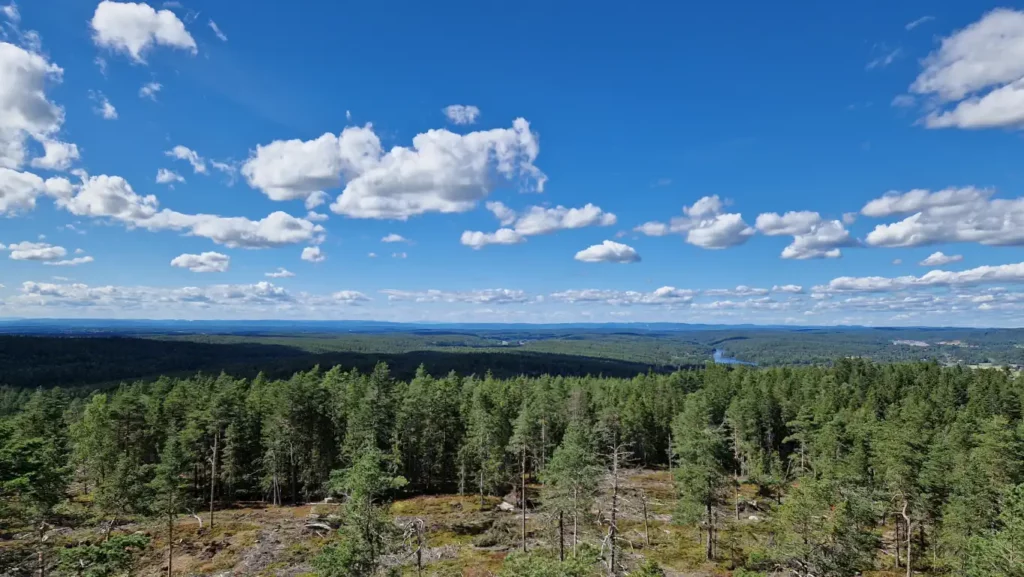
82,361
74,361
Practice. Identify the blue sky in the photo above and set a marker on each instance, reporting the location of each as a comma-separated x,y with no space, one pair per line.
792,163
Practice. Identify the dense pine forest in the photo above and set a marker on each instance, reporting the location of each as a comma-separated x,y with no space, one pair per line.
811,471
103,355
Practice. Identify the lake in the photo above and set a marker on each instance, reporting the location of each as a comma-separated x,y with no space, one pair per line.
720,357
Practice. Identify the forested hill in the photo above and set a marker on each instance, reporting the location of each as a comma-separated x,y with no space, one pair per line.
108,354
838,471
80,361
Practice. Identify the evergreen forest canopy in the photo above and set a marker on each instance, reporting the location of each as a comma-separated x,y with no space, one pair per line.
808,471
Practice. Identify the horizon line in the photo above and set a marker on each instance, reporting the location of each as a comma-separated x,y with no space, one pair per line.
10,320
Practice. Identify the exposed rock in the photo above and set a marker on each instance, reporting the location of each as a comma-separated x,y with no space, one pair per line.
471,526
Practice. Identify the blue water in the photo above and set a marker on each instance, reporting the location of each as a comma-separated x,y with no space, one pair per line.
720,358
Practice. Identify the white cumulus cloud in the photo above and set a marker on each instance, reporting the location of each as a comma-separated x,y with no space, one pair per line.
313,254
205,262
977,74
56,155
25,111
966,214
536,220
113,197
478,239
19,190
441,172
280,273
38,251
704,224
134,28
940,259
608,251
813,236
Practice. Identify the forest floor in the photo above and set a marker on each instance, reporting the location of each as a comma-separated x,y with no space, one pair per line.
460,535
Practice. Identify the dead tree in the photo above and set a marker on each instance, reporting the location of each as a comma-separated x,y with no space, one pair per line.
415,529
647,528
213,475
618,456
522,495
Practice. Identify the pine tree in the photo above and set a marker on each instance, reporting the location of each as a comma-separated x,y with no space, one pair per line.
823,528
34,471
985,469
701,475
112,439
898,457
519,445
366,532
1000,551
483,448
170,489
571,478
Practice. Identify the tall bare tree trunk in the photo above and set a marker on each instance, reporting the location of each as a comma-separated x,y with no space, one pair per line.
561,538
899,543
291,474
736,497
736,475
170,542
615,502
481,486
40,557
709,551
575,518
647,530
522,496
419,547
213,476
275,490
910,536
